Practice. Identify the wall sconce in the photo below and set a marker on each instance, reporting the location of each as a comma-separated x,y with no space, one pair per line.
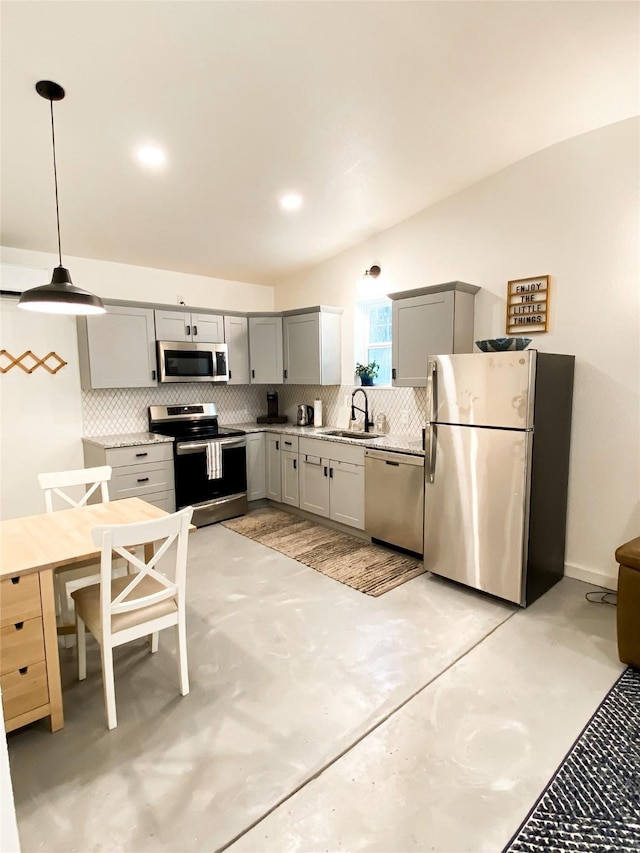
372,284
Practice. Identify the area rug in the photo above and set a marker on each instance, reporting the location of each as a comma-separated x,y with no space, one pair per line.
593,801
352,561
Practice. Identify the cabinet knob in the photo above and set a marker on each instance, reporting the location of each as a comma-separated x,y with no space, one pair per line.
195,331
143,479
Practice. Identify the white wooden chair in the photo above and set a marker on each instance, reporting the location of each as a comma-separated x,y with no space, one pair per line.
69,577
122,609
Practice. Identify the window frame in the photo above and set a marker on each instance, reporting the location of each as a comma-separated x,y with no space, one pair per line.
363,341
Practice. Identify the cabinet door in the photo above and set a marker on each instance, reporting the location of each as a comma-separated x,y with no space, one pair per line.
173,325
290,488
347,493
314,484
265,350
422,326
117,349
236,334
273,473
255,466
207,328
301,340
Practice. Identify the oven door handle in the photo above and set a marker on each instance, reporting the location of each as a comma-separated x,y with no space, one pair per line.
183,448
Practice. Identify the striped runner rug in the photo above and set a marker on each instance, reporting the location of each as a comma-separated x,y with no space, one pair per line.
592,803
348,559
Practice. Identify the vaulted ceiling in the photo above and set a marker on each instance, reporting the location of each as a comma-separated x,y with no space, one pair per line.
372,111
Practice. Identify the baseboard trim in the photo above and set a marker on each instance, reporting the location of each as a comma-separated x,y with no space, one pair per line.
604,579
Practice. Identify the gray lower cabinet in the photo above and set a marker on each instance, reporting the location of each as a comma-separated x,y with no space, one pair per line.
189,326
256,473
434,320
117,349
236,335
265,350
312,341
332,480
139,471
272,468
290,482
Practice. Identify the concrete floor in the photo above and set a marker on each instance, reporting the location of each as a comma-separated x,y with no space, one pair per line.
319,718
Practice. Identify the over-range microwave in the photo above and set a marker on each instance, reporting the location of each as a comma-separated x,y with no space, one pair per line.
187,361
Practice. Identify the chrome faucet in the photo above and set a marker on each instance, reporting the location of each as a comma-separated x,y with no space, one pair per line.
365,411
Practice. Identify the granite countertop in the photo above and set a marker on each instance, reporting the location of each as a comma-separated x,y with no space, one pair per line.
127,439
394,442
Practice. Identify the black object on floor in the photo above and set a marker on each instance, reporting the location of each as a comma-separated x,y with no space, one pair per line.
592,803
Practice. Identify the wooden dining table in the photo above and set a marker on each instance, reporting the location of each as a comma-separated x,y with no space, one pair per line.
31,548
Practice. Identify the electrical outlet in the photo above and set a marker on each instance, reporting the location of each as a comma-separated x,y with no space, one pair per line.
404,418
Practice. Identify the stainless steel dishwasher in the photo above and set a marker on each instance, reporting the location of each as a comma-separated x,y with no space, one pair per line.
394,498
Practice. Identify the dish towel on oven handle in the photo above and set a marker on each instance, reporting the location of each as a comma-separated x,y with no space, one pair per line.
214,460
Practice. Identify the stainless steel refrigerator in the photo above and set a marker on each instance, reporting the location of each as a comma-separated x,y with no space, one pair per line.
496,470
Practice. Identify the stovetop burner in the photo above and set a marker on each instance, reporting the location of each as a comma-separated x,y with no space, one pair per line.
198,420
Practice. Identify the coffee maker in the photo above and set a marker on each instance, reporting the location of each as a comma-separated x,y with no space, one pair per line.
272,416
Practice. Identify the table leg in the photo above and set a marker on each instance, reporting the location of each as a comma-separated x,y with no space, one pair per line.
50,631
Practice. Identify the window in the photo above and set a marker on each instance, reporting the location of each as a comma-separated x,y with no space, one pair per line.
373,336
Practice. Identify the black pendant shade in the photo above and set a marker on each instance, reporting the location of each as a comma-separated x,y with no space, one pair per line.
60,296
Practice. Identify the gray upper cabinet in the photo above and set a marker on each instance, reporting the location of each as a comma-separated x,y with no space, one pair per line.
312,342
188,326
430,321
117,349
265,349
236,334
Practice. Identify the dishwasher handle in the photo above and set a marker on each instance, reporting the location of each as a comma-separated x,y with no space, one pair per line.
392,457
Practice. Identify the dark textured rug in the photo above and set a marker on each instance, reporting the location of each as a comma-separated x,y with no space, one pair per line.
592,804
352,561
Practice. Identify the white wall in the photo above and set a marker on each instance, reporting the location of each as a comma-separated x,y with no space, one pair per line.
143,284
570,211
40,414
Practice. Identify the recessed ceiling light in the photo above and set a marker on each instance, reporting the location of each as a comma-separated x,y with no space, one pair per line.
291,201
151,156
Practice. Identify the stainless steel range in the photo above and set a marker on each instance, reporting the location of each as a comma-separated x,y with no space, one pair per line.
210,461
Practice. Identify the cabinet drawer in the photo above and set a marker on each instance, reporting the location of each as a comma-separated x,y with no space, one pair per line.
24,690
138,455
20,599
140,480
163,500
20,645
289,442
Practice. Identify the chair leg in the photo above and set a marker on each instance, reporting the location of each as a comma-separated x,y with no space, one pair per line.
109,686
154,641
82,648
182,656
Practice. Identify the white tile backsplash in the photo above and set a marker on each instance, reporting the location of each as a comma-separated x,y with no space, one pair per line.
116,410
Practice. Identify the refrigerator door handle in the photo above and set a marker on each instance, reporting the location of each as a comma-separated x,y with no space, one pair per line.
430,445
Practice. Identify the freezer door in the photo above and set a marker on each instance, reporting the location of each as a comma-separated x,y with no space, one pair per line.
476,508
482,389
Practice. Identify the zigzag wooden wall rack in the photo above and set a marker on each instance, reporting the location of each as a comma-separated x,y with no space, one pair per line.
37,362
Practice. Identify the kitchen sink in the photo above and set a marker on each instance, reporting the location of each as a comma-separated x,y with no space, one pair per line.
347,433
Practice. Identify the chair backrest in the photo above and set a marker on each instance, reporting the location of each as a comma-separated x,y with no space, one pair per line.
93,478
115,539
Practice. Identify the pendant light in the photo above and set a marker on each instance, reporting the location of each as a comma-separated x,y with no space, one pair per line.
61,296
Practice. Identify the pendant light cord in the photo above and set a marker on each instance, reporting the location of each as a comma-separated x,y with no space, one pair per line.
55,179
